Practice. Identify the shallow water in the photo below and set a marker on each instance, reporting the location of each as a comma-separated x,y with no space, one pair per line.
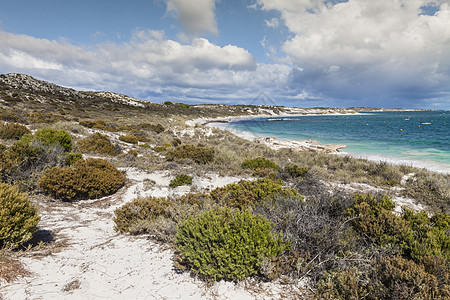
416,138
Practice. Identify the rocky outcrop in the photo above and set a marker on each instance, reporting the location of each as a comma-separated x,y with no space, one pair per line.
299,145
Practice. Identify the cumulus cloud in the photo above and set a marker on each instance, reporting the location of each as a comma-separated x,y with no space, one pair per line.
196,16
365,49
147,65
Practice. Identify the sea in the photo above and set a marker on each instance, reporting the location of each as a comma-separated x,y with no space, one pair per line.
416,138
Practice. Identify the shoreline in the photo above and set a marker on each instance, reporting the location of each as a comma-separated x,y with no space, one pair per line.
310,145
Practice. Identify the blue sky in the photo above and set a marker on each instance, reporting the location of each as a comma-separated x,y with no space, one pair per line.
384,53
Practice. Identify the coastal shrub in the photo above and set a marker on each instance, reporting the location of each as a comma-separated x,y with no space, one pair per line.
133,216
133,152
72,158
179,180
176,142
52,136
159,216
227,244
295,170
25,161
12,131
129,138
248,193
259,163
97,142
318,230
159,149
418,237
373,216
18,217
92,178
387,278
98,124
158,128
198,154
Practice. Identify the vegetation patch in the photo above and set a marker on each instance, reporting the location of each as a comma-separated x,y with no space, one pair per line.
13,131
249,193
129,138
133,216
198,154
98,143
259,163
18,217
179,180
296,171
51,136
227,244
88,179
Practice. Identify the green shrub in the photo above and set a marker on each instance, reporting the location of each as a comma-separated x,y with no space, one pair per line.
344,284
97,142
374,217
52,136
245,193
295,171
18,217
227,244
159,149
133,152
132,216
158,128
259,163
13,131
181,179
404,279
92,178
129,138
387,278
72,158
198,154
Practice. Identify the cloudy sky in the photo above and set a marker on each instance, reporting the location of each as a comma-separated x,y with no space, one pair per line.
383,53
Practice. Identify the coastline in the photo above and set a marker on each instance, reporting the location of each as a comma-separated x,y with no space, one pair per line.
311,145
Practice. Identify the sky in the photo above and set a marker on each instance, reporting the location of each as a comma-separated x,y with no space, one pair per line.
303,53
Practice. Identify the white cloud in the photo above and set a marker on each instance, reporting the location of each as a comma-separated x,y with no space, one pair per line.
196,16
149,64
374,48
273,23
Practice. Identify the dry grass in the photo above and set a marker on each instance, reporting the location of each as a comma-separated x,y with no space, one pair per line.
10,267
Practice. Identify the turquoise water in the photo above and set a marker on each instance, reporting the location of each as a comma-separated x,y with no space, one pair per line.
417,138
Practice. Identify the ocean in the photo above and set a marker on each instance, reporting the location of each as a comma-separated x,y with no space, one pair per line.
418,138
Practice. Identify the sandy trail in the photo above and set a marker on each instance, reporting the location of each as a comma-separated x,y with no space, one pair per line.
98,263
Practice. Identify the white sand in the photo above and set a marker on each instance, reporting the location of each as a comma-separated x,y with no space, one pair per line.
99,263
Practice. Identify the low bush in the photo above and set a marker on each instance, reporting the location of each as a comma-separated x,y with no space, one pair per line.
179,180
97,142
133,216
18,217
72,158
133,152
227,244
387,278
259,163
295,170
373,216
249,193
198,154
129,138
52,136
25,161
92,178
159,149
13,131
